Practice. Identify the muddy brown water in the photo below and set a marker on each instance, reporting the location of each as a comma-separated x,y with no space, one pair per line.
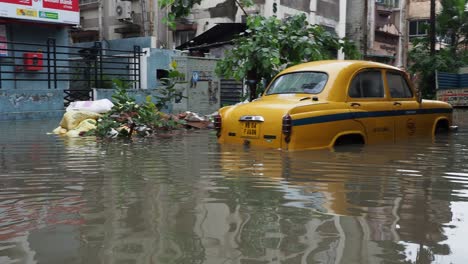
186,199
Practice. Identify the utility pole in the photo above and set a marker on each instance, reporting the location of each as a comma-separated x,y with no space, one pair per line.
144,18
100,27
432,39
432,32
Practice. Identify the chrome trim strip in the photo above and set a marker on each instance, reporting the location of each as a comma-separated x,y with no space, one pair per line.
252,118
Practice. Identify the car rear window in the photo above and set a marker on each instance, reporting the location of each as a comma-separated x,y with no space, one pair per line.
299,82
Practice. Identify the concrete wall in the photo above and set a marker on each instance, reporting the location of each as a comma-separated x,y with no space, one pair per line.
328,8
203,95
122,44
201,86
157,59
30,104
139,95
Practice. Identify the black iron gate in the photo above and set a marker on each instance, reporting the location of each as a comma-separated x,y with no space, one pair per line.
52,66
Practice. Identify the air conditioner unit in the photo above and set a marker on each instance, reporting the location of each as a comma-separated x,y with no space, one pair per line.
123,10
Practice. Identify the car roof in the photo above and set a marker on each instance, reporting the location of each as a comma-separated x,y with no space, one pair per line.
340,73
336,66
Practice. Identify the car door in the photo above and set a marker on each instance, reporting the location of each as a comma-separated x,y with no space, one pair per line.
369,105
408,123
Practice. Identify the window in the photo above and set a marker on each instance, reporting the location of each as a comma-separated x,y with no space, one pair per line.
367,84
418,27
299,82
398,86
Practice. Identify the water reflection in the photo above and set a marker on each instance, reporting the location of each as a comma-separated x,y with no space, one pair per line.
185,199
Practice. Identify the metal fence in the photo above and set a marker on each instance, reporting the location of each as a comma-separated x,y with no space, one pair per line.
52,66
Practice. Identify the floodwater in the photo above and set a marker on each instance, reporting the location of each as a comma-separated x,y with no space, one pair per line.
186,199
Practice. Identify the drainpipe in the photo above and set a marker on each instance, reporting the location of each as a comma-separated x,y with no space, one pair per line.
100,19
342,26
156,21
402,38
365,38
371,24
143,17
313,12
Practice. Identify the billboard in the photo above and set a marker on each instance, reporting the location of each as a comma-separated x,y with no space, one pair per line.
52,11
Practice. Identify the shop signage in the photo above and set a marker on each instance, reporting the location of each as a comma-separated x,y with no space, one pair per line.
52,11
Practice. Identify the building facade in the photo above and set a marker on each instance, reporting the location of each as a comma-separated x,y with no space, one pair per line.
378,28
108,20
329,13
31,33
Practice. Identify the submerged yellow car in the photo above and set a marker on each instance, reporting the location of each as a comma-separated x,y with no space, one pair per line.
326,103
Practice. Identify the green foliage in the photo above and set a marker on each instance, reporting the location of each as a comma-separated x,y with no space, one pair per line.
452,24
127,118
271,45
424,65
169,92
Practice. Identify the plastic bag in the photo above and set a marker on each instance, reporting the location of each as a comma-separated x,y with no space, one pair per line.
72,119
59,131
84,126
98,106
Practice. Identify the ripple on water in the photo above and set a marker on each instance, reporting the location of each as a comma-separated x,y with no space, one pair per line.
187,199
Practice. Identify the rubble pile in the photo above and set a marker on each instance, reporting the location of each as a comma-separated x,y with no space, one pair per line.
100,118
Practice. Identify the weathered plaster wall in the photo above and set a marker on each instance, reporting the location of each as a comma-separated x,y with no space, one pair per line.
30,104
139,95
227,8
201,86
158,59
298,5
329,8
420,9
122,44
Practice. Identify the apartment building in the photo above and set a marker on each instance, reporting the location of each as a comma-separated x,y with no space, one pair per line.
418,18
116,19
107,20
378,28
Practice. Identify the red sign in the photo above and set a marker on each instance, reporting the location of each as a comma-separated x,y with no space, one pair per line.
3,40
67,5
18,2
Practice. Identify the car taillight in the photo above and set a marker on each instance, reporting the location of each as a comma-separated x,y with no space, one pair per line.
217,124
287,128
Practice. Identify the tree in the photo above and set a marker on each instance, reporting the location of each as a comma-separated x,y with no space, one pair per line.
453,23
269,45
452,27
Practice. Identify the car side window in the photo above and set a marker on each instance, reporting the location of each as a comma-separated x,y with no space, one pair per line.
367,84
398,86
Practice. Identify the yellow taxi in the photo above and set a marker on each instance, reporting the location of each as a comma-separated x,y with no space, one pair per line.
327,103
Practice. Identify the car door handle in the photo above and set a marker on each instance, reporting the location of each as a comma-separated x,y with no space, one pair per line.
355,104
396,103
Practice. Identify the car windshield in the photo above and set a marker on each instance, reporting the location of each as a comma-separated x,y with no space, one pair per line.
299,82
